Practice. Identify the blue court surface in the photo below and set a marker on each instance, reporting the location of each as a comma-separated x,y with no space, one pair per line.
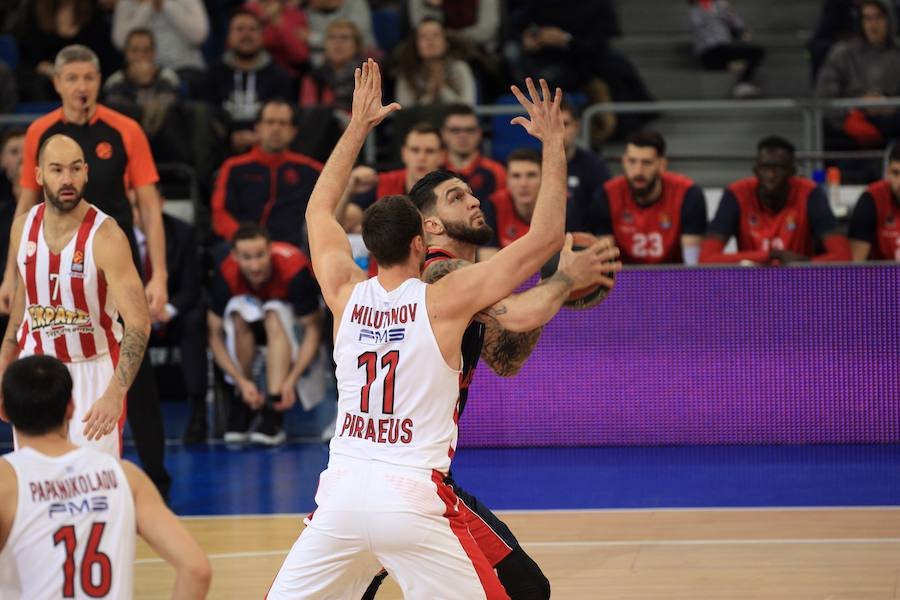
214,479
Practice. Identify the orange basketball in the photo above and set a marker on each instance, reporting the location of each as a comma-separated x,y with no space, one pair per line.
584,297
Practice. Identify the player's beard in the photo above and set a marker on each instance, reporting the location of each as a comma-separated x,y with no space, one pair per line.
641,195
469,234
67,205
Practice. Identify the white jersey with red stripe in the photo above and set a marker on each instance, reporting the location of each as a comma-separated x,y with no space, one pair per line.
73,535
68,312
397,396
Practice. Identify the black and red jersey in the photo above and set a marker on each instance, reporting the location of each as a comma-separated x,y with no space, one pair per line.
650,234
291,282
271,190
876,220
472,341
510,226
804,215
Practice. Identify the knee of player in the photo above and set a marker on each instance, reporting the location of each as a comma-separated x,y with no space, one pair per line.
240,325
200,570
273,324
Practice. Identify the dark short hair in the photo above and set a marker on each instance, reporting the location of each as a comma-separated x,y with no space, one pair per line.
36,393
279,101
775,142
648,138
246,12
388,228
10,133
458,110
424,128
422,194
141,31
566,106
893,155
249,231
524,154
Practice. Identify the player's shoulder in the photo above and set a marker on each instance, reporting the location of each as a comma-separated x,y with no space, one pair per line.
743,185
109,236
491,165
393,176
289,257
440,265
678,179
118,121
803,184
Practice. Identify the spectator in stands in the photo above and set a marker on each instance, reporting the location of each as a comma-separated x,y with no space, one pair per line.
423,151
44,27
332,83
284,33
476,22
9,90
269,185
720,38
775,216
567,42
244,78
587,172
10,169
462,136
515,204
10,158
875,224
429,72
259,291
322,12
180,28
142,89
866,68
655,216
183,323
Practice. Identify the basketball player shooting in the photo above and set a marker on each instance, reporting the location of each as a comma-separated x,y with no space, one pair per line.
382,499
76,277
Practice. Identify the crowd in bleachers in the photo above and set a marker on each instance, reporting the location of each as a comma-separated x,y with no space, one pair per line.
251,97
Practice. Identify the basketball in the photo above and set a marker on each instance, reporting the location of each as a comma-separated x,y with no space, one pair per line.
585,297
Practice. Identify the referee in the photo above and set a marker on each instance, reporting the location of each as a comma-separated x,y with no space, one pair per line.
118,157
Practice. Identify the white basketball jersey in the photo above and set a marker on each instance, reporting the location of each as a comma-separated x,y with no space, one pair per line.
397,397
68,312
74,531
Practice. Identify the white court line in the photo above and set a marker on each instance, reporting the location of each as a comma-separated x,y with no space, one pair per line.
607,543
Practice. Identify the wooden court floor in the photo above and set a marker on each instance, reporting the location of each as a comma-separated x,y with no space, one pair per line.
777,554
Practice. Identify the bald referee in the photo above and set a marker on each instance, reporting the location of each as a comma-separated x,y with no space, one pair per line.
118,156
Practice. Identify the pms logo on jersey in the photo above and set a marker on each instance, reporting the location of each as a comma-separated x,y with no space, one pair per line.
373,337
104,150
93,504
77,267
54,316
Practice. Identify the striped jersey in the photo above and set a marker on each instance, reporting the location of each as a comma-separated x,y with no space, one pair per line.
397,397
73,535
68,312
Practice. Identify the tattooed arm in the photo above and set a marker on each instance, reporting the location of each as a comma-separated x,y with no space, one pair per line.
112,254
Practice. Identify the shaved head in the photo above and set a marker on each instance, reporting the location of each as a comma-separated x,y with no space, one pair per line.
62,145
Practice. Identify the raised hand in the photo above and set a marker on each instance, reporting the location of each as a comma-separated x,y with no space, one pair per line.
367,107
544,120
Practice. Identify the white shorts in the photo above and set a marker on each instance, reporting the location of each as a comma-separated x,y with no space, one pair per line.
371,514
89,380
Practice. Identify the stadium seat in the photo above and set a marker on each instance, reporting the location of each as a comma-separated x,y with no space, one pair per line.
9,52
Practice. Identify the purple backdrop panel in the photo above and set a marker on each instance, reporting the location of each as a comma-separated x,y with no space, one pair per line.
708,356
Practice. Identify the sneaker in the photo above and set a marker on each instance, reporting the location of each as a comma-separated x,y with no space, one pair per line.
236,437
269,431
237,430
195,432
746,91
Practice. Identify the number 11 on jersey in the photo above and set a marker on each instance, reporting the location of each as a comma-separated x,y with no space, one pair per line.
389,361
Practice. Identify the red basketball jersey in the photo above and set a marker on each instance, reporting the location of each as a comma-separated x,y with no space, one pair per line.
68,312
510,225
887,228
762,229
648,234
